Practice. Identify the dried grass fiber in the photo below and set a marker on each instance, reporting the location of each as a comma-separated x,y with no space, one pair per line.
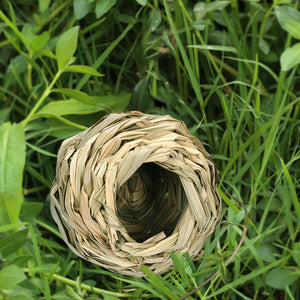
132,189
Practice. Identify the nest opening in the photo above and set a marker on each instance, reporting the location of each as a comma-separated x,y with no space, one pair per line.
150,201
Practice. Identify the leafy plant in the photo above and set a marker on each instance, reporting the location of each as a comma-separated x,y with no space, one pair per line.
289,19
228,69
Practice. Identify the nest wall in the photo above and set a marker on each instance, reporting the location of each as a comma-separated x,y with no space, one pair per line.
132,189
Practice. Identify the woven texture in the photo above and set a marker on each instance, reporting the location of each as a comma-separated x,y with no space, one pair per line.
132,189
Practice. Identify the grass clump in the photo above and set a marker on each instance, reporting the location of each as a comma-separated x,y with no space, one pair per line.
228,69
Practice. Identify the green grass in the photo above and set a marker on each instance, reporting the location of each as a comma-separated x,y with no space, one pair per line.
216,65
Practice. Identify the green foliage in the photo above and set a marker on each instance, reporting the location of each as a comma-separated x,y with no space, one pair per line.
103,6
290,57
10,276
81,8
12,242
66,47
12,160
228,69
289,19
282,277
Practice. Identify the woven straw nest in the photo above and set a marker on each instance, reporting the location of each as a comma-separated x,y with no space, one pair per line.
132,189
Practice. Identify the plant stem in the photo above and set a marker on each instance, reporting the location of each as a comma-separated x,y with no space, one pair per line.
29,75
4,43
41,100
85,286
34,190
261,32
49,228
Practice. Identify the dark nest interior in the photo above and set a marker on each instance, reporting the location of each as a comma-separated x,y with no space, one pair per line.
150,201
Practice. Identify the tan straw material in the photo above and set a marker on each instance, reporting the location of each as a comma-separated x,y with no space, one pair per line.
132,189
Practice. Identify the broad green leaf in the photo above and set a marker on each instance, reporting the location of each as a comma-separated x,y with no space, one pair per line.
289,19
293,28
279,278
13,242
216,5
77,95
267,253
71,293
30,210
30,289
39,41
201,8
142,2
28,32
109,297
12,160
81,8
200,11
66,47
74,107
296,255
290,57
43,4
83,69
103,6
155,19
264,46
10,276
18,64
141,97
46,52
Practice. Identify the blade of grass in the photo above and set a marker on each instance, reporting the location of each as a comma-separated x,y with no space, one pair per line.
250,160
159,284
292,189
105,54
187,64
142,285
248,277
244,146
269,145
